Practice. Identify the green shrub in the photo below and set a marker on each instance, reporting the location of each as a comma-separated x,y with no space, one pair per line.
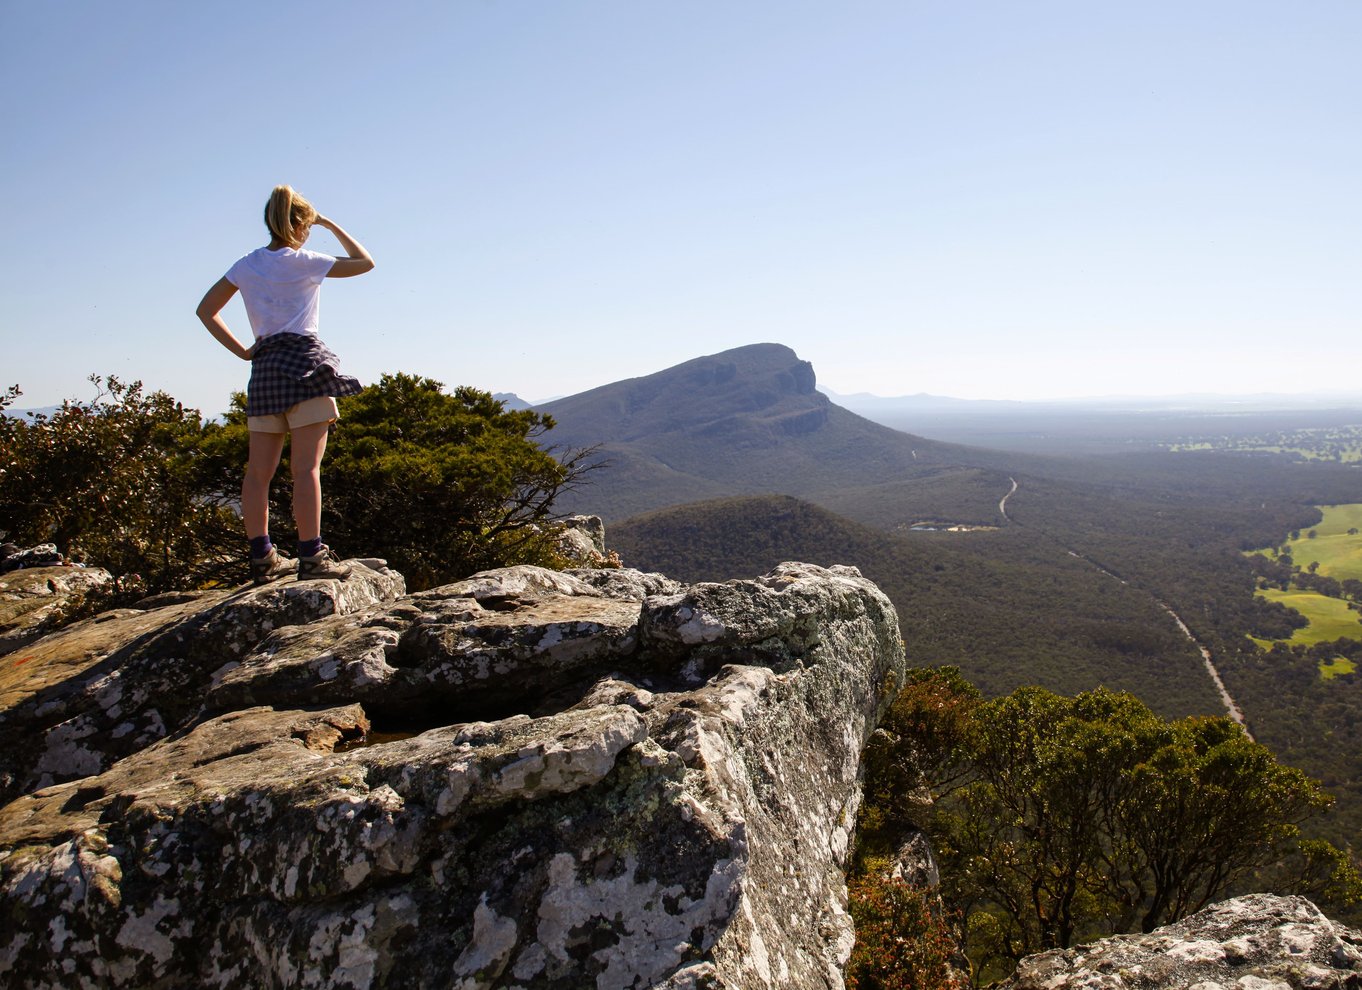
117,481
1059,819
902,940
441,485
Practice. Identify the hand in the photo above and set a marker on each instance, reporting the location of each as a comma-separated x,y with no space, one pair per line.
250,352
321,221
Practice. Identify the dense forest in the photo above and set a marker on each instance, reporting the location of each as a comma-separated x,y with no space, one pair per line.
1065,591
1006,606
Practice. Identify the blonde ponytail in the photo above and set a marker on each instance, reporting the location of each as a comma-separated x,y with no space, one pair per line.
288,215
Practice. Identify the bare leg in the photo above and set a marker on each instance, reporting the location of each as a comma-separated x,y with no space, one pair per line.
306,448
255,489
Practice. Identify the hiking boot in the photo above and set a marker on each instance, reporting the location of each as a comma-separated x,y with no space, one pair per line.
324,565
270,567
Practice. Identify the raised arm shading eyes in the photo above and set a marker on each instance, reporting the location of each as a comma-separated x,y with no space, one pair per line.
357,260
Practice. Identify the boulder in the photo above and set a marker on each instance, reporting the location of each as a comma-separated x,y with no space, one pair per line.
1257,942
527,779
591,527
584,534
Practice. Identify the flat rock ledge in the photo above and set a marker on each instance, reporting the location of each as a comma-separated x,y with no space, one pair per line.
1257,942
32,598
74,702
527,779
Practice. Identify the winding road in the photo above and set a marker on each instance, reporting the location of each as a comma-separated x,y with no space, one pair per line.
1002,504
1231,706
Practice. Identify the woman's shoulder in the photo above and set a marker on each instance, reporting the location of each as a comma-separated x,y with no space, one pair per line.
266,261
312,257
252,258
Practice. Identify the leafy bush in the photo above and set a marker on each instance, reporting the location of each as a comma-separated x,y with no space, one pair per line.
1059,819
914,756
117,481
441,485
902,940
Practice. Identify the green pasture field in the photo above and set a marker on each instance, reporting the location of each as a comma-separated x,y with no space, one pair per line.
1348,455
1335,667
1330,618
1339,554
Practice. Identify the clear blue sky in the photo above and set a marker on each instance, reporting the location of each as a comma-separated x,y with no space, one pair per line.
980,199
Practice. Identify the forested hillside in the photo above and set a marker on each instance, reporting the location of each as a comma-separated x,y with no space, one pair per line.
1007,606
1186,548
1064,591
748,420
1026,603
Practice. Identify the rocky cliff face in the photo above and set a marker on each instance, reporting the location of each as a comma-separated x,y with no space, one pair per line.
526,779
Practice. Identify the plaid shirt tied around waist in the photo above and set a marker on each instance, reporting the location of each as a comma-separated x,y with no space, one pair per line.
289,368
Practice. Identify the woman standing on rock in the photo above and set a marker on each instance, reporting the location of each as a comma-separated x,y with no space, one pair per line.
294,376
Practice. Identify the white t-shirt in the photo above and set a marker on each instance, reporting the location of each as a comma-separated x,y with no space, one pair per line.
281,289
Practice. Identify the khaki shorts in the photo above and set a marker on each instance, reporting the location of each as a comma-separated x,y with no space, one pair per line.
319,410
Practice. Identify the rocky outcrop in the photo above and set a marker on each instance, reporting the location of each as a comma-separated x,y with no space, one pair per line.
32,600
526,779
1258,942
74,702
582,539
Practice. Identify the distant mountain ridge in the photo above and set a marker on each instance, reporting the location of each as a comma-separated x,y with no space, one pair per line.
868,403
747,420
510,400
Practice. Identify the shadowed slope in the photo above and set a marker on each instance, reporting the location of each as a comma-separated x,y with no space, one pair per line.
746,420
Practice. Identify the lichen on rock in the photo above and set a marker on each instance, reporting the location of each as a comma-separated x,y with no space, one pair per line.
1255,942
527,779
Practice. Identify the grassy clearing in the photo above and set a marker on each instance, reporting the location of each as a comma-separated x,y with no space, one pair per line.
1330,618
1333,668
1338,519
1339,553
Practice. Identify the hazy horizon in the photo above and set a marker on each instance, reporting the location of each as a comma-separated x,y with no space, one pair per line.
1222,398
1192,401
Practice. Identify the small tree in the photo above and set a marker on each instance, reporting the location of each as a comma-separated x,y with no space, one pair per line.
916,754
1206,807
439,484
1079,817
115,480
1029,834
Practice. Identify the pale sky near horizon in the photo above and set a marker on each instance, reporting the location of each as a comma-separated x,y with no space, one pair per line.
983,200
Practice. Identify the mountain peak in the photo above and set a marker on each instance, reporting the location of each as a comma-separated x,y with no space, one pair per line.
755,389
750,419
